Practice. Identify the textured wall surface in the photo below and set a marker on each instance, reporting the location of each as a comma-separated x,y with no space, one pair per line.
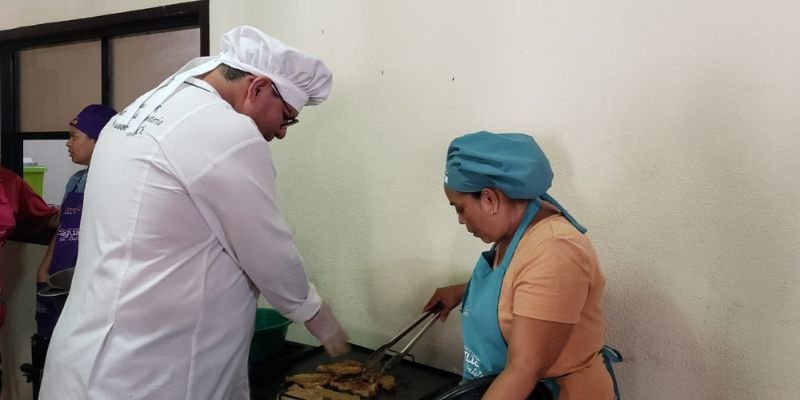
673,130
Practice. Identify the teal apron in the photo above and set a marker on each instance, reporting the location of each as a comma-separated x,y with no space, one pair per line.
485,350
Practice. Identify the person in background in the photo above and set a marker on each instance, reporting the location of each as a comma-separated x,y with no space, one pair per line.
532,309
62,252
172,260
23,211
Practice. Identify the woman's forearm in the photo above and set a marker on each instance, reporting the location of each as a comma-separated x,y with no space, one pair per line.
512,384
43,272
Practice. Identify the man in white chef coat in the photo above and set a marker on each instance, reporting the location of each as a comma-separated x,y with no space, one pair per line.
181,231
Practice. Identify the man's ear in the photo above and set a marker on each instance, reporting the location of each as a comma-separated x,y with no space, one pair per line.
259,86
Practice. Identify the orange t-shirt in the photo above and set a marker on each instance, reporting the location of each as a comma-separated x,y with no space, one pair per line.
555,275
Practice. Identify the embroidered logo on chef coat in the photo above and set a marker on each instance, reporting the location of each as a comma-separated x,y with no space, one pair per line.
152,119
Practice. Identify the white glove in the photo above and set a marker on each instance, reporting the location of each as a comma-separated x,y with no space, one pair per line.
327,330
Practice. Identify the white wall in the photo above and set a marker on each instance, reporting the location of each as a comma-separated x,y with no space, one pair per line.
673,130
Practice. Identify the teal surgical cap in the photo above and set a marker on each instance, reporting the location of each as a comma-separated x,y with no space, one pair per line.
510,162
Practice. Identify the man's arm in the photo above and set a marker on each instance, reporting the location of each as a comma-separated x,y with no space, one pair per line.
236,194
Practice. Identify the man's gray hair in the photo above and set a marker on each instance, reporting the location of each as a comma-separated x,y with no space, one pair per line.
230,73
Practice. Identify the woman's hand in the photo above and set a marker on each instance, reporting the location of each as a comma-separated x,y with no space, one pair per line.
449,296
54,220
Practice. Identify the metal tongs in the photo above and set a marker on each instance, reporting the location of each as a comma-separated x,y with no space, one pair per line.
373,363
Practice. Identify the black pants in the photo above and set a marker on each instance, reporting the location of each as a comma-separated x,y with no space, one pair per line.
33,372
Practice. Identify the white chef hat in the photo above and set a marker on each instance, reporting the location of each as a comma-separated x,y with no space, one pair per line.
301,79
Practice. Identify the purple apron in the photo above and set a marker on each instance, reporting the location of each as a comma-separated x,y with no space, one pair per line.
65,254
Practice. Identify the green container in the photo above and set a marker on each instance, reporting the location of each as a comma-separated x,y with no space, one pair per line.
34,176
269,335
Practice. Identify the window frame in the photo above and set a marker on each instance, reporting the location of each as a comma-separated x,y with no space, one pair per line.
103,28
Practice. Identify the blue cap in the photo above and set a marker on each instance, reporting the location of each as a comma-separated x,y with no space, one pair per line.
510,162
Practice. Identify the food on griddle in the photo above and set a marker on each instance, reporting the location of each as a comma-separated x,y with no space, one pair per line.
342,368
357,387
387,382
318,393
348,378
310,380
305,394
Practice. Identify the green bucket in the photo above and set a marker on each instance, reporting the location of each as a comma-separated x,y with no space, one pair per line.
34,177
269,335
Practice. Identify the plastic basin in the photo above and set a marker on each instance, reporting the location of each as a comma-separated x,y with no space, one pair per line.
34,176
269,335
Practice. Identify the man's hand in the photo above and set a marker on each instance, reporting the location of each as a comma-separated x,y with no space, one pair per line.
327,330
449,296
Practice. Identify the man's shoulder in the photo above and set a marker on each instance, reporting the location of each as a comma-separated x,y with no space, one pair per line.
207,136
216,129
209,120
190,109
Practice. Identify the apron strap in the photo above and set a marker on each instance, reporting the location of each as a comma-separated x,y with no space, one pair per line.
611,356
552,385
546,197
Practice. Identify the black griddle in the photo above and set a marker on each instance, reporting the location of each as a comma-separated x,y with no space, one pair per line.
414,381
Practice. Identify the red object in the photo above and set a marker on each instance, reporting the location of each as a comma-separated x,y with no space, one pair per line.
20,209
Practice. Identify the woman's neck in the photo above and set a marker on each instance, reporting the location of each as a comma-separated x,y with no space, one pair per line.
516,213
545,211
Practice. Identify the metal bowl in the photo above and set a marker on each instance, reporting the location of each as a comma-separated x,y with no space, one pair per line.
61,279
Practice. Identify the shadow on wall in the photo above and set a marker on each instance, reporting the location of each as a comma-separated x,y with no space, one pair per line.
659,344
702,291
441,346
657,341
661,356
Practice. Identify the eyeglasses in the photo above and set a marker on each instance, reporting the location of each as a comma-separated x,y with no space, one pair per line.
286,111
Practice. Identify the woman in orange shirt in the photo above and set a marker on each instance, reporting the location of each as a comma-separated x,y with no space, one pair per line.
532,309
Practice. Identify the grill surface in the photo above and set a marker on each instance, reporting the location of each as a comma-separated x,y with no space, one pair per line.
414,381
